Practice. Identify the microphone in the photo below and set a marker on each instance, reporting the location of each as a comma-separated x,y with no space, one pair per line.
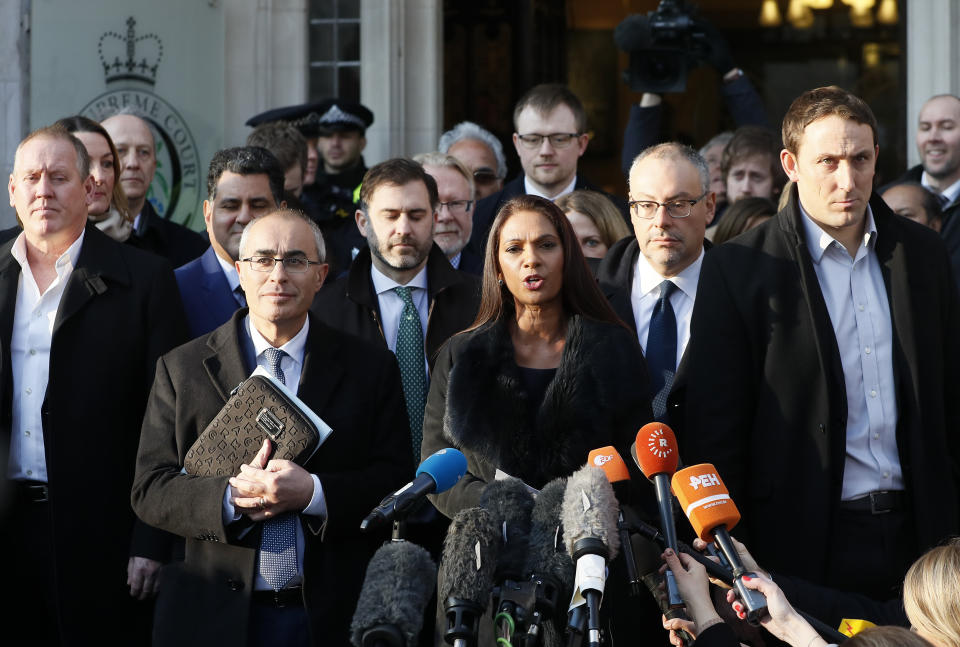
590,535
549,566
438,473
470,552
712,513
657,456
510,503
648,561
608,459
396,588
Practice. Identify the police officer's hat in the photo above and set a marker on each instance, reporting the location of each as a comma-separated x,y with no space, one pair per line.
322,118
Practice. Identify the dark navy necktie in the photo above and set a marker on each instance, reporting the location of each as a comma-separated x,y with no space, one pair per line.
240,296
662,350
278,544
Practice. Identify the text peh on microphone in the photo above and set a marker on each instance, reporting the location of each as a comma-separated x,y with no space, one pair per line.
438,473
712,513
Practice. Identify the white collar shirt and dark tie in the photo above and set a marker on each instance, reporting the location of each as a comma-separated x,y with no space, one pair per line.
391,305
291,364
233,280
948,196
645,291
30,344
529,189
859,310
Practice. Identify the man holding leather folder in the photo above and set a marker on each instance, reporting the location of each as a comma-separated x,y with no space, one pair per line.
273,548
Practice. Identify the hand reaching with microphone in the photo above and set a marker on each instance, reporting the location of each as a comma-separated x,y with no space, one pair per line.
782,620
691,578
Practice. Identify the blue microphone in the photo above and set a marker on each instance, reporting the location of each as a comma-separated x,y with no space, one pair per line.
438,473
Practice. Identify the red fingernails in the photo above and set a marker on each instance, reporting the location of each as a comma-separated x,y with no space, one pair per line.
741,615
747,578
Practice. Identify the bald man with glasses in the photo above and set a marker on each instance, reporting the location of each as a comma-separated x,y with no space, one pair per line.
651,279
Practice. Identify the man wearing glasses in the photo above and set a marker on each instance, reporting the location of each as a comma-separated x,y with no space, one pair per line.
454,219
651,280
551,136
274,553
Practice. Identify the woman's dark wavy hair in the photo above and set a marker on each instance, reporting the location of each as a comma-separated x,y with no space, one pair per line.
580,292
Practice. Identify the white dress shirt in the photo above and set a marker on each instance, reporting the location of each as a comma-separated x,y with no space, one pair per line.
33,320
529,189
391,305
291,365
950,193
859,311
645,292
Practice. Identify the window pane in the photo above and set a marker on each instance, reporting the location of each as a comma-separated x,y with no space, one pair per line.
348,9
321,9
349,82
321,83
321,43
349,42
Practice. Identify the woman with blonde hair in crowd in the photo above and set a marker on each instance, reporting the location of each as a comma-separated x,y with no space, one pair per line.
931,594
596,221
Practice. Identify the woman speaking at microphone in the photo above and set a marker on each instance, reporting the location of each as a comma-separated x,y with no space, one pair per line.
546,373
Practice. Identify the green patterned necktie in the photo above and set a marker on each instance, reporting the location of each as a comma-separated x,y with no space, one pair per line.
410,357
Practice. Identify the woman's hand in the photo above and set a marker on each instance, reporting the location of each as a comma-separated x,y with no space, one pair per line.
781,620
691,578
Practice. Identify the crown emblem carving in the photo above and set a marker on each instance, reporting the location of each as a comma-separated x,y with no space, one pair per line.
130,57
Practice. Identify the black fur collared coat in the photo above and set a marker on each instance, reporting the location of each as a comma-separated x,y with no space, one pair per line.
477,403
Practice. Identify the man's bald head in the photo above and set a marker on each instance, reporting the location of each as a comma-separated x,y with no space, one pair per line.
138,156
938,140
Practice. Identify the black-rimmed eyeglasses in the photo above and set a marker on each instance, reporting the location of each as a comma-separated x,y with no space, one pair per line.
647,209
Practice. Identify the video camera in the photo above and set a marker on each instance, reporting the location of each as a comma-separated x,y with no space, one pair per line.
663,46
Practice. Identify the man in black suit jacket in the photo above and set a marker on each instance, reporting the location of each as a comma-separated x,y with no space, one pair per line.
138,158
550,138
938,143
671,206
83,320
219,594
823,383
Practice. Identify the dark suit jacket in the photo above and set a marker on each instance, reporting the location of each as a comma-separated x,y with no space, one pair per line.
775,424
353,387
470,262
615,276
207,298
163,237
950,228
119,312
488,208
351,305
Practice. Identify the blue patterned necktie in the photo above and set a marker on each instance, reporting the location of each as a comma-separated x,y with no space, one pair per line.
662,350
241,298
410,357
278,544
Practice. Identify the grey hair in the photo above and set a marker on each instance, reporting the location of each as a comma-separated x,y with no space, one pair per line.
293,214
720,139
676,150
470,130
444,160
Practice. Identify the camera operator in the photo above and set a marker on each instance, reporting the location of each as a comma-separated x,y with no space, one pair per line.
663,46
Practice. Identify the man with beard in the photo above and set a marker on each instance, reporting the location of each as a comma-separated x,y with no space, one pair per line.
401,291
454,221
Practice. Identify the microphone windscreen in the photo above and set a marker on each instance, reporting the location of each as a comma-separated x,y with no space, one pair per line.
608,459
396,588
510,503
705,499
446,467
470,554
632,32
547,555
590,510
657,451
